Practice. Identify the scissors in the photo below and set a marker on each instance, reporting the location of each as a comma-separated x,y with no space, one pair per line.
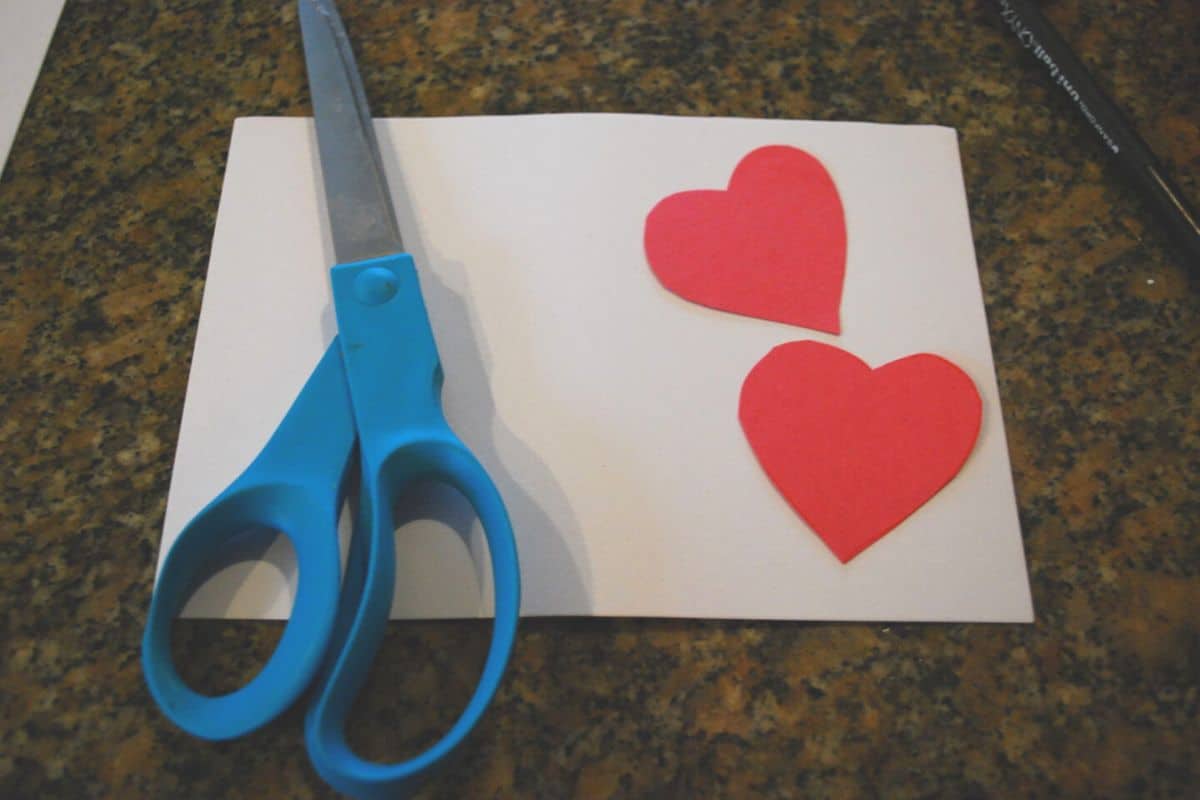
373,401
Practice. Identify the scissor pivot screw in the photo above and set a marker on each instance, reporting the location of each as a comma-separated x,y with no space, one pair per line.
375,286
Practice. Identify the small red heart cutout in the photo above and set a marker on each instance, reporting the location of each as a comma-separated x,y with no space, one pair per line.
856,450
772,246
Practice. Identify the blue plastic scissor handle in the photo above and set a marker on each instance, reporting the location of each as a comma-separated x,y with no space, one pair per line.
395,379
380,378
293,486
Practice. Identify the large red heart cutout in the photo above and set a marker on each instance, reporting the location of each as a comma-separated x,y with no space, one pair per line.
856,450
772,246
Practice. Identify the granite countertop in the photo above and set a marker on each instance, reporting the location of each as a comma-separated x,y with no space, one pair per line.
107,207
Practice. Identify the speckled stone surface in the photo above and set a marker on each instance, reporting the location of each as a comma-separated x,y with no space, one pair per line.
106,213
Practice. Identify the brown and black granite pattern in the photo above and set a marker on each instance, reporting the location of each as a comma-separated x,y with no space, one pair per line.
106,213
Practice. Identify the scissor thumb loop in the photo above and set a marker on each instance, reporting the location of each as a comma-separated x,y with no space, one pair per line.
445,459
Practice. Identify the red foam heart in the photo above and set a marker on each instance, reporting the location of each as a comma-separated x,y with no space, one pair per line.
856,450
772,246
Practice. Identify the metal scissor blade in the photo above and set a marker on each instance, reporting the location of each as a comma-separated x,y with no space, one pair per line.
356,192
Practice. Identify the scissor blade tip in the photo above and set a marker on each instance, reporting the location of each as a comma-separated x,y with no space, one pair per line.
320,6
310,7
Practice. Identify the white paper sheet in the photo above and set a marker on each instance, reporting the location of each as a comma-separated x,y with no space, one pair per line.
604,406
26,27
